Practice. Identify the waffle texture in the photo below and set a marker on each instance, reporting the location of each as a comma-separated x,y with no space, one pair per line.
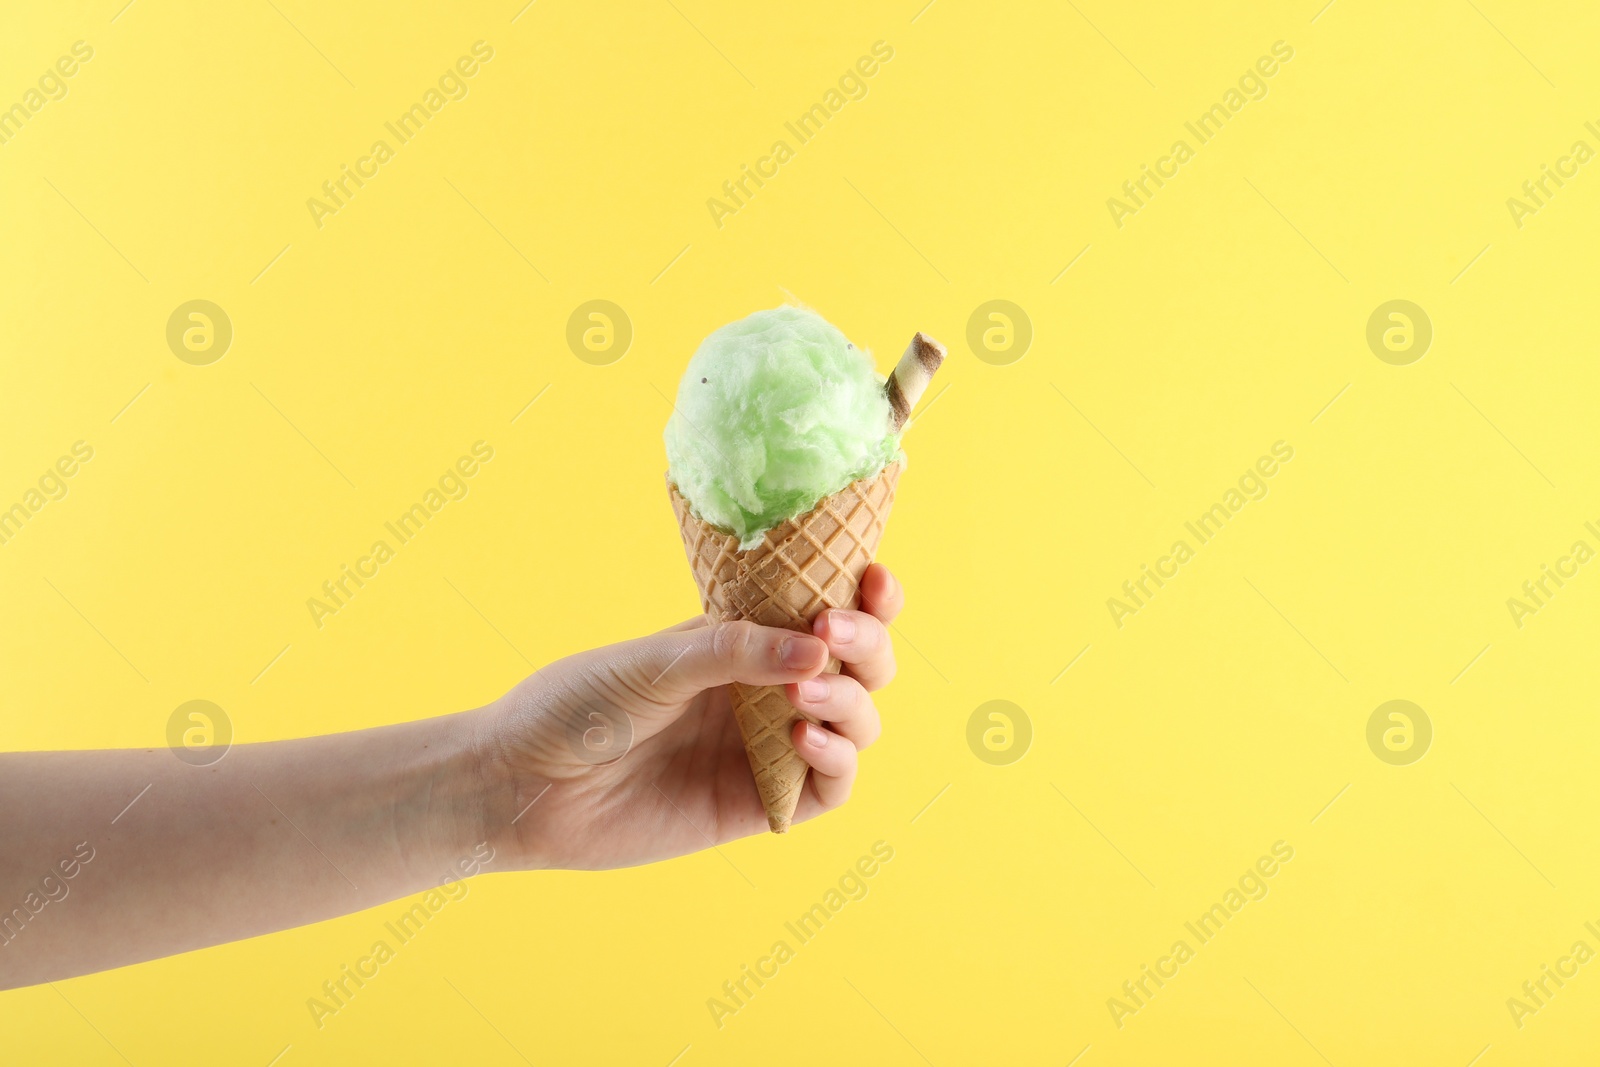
802,568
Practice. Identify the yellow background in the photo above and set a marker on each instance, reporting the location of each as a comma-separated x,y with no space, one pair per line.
1221,318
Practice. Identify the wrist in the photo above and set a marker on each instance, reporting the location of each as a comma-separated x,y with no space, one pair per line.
443,806
498,800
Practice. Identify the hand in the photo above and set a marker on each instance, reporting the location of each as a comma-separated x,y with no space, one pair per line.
576,791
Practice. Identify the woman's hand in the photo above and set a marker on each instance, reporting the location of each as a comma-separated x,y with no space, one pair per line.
606,759
630,753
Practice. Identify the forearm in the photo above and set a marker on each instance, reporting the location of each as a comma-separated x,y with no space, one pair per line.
273,835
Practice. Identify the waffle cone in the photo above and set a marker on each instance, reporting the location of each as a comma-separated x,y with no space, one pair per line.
802,568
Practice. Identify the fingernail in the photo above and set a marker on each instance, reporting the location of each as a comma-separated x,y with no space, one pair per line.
814,691
841,627
816,736
796,652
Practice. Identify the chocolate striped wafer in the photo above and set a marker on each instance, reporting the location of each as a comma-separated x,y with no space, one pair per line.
911,377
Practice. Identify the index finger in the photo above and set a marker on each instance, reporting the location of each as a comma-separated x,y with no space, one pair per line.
675,664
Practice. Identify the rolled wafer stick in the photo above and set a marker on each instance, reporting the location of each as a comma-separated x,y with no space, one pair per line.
911,377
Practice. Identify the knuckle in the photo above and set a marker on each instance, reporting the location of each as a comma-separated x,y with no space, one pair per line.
732,642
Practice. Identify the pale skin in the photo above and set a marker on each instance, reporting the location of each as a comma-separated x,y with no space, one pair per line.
285,833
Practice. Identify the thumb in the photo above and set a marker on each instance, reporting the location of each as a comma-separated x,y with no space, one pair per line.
678,664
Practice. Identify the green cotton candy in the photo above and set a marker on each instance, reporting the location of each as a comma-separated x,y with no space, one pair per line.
775,412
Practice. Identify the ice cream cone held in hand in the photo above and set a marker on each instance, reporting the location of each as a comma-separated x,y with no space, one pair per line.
783,454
